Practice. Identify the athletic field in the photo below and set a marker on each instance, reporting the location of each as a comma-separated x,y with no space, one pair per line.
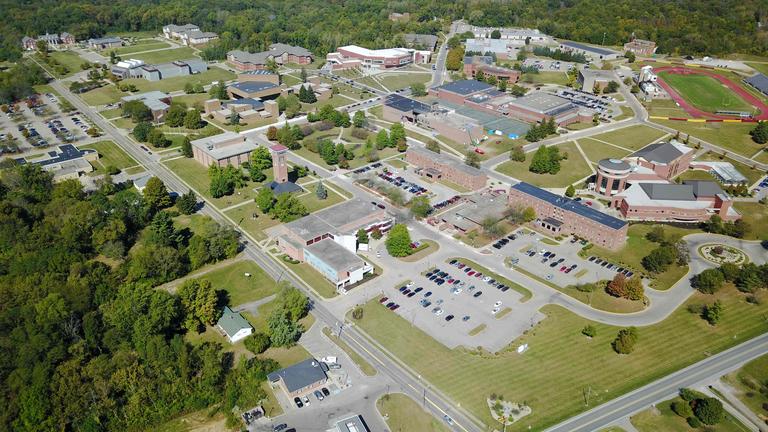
705,93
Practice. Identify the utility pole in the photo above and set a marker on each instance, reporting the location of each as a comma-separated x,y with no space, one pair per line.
603,38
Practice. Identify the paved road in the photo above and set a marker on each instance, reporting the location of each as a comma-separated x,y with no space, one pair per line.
438,76
665,388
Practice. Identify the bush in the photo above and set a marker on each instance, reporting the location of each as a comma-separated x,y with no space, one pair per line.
689,395
693,422
682,408
257,343
589,330
357,313
708,410
625,341
360,133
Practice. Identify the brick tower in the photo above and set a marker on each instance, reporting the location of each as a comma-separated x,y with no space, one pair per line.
279,163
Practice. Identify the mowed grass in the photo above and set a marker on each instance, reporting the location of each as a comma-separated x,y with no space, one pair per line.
748,380
110,154
560,362
313,203
572,169
70,59
632,137
559,78
756,215
705,93
147,46
662,418
314,278
168,55
196,176
596,150
396,81
760,67
665,108
177,83
243,216
733,137
102,95
404,414
240,288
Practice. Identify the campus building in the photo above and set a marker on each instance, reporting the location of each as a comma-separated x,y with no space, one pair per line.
253,90
197,37
665,160
327,239
438,166
511,34
353,423
259,75
759,82
564,216
476,209
641,47
591,79
172,69
229,148
278,52
445,122
301,378
125,69
420,41
475,64
249,110
157,102
104,43
65,162
53,41
281,183
173,31
691,201
504,49
353,56
592,52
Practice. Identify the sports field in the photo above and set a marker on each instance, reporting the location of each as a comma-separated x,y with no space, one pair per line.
705,93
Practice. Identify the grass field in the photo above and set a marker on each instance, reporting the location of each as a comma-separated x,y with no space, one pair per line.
760,67
69,59
314,279
733,137
397,81
361,363
242,289
761,157
596,150
370,82
665,108
111,113
662,418
110,154
431,247
313,203
571,170
632,137
553,383
102,95
196,176
560,78
177,83
140,47
705,93
243,217
748,381
166,55
756,215
404,414
696,175
192,99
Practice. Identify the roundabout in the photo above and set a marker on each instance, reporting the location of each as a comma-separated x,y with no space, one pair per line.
721,254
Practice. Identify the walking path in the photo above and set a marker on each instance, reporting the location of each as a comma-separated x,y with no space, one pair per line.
737,408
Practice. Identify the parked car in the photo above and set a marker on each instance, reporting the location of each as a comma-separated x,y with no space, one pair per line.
298,402
319,395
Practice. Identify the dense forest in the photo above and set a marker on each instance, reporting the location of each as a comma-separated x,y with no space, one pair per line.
86,341
687,27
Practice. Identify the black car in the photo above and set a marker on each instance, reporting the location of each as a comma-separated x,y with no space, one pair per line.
325,391
402,288
281,426
433,277
477,294
418,290
449,317
427,294
411,294
390,304
592,258
504,288
496,246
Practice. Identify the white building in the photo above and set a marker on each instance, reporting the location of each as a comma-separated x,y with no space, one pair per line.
233,325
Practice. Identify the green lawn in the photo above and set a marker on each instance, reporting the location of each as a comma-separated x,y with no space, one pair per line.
750,173
153,45
662,418
552,382
756,215
571,170
314,279
665,108
244,217
748,381
196,176
177,83
192,99
762,157
560,78
369,82
404,414
760,67
110,154
242,289
313,203
166,55
705,93
69,59
123,123
102,95
396,81
423,251
733,137
596,150
632,137
696,175
361,363
111,113
526,294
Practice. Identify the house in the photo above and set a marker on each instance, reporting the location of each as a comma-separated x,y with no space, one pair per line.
301,378
197,37
278,52
172,31
53,41
233,325
353,56
229,148
157,102
141,183
104,43
65,162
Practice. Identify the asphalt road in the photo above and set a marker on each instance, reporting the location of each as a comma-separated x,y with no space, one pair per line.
665,388
438,76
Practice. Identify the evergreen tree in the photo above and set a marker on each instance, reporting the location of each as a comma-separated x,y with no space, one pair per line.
187,203
303,75
321,192
186,147
570,191
517,154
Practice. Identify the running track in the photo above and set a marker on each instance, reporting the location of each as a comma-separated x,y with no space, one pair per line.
695,112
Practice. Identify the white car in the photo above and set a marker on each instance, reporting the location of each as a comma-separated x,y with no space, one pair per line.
495,311
378,254
439,312
486,279
497,304
409,284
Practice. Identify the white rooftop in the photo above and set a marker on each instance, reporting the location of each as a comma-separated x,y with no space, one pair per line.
387,52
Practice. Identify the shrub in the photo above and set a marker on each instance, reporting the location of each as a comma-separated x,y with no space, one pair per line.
359,133
357,313
257,343
689,395
625,341
708,410
693,422
589,330
682,408
324,125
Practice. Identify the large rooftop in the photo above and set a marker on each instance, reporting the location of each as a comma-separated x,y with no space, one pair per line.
225,145
63,153
759,82
253,86
544,103
339,258
446,160
300,375
465,87
332,219
570,205
403,104
662,152
588,48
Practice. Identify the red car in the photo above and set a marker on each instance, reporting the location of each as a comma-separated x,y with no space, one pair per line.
383,299
450,280
478,150
471,273
563,268
478,275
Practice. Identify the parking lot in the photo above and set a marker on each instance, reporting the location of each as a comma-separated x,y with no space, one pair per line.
559,264
601,104
549,65
407,181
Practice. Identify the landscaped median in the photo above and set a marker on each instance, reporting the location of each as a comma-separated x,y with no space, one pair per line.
524,292
560,363
402,413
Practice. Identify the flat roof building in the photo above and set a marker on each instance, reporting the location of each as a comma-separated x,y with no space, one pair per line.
301,378
591,79
502,48
352,424
65,162
353,56
508,33
254,89
104,43
173,69
420,41
593,52
446,167
157,102
562,215
475,209
692,201
280,53
229,148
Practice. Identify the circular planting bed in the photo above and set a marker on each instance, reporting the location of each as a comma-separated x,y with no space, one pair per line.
721,254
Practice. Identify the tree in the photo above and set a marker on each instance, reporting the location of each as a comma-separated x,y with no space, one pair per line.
682,408
156,196
362,236
288,208
359,120
625,341
234,118
292,301
192,119
420,206
198,302
175,115
618,286
659,259
141,131
265,200
708,281
157,138
570,191
529,214
760,132
517,154
418,89
397,135
708,410
398,241
321,192
612,87
382,139
432,145
713,313
495,34
472,159
480,75
546,160
656,234
630,56
272,133
187,203
589,331
634,288
261,158
283,332
258,342
303,75
136,111
186,147
518,91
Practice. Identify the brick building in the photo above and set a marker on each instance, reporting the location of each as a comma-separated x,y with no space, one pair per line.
53,41
445,122
157,102
301,378
472,66
439,166
641,47
692,201
564,216
229,148
280,53
664,159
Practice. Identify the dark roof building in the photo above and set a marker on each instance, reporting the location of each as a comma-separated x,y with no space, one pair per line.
404,104
420,41
759,82
465,87
589,50
301,378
